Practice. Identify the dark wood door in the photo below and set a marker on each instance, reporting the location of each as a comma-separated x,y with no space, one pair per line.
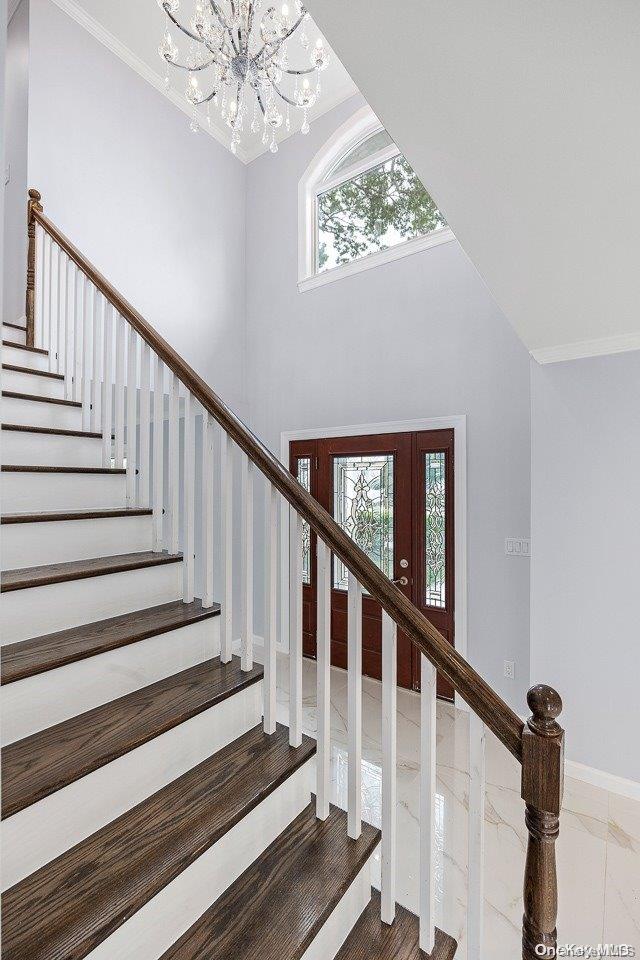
385,490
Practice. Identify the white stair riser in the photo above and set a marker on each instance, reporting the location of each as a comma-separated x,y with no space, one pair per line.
50,450
30,492
339,925
36,413
34,544
167,916
48,698
24,358
43,831
40,610
13,335
32,383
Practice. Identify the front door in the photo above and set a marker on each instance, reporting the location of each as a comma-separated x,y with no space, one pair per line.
393,494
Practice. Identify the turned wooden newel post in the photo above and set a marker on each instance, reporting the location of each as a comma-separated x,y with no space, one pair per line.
33,204
542,785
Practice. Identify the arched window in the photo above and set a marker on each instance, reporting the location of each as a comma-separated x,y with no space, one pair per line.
361,204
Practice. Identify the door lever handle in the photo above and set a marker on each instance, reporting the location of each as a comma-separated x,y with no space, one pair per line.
401,581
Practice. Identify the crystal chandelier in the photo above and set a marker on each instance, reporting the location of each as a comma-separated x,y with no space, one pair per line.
241,58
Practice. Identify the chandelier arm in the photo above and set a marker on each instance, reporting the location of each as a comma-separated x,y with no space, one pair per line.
208,99
284,97
185,66
176,23
259,98
222,20
297,73
280,41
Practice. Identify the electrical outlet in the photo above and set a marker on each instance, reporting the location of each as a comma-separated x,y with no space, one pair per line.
510,669
517,547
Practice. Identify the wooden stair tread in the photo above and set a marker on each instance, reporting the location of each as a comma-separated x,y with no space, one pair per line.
371,939
277,906
44,517
36,373
30,657
17,395
71,905
26,577
44,468
21,346
46,761
56,431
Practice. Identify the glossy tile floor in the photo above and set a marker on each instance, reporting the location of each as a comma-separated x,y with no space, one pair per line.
598,849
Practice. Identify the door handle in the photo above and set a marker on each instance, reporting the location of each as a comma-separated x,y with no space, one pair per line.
401,582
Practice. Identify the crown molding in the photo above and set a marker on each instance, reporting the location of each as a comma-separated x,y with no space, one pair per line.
123,52
580,349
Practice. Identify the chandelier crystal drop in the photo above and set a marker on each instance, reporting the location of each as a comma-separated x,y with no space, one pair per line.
246,63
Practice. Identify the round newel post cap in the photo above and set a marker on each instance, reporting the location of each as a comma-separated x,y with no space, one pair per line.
35,195
545,704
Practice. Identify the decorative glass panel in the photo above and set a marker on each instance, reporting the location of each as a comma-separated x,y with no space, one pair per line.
366,148
304,479
363,506
377,209
434,533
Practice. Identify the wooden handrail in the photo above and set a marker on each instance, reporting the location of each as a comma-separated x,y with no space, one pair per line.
479,695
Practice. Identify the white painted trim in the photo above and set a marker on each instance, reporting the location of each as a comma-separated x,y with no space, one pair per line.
456,423
600,778
124,53
377,259
580,349
12,6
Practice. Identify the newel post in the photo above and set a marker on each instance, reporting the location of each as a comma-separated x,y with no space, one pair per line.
542,786
33,204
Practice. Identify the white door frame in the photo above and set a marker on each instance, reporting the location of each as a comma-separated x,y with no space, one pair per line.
459,426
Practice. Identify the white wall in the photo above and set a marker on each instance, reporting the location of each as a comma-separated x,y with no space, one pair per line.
14,260
420,337
585,488
159,210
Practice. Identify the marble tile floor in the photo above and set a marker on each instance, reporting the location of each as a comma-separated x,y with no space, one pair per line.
598,849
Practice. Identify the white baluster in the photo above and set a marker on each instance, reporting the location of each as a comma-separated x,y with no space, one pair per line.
40,287
323,679
354,707
295,628
80,314
59,308
246,655
271,609
475,911
427,898
389,714
51,344
208,433
132,398
84,361
96,312
226,552
119,392
173,498
158,461
46,293
107,382
69,325
188,496
144,475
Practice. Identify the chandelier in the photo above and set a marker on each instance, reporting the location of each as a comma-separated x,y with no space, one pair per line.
239,61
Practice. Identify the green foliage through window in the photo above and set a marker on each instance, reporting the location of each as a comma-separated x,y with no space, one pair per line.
377,209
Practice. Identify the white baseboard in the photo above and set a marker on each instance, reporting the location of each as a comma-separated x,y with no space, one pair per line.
600,778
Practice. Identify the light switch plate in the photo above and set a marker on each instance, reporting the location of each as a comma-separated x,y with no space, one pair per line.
517,547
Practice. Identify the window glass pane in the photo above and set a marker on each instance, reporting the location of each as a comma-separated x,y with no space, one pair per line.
366,148
434,534
378,209
304,479
363,506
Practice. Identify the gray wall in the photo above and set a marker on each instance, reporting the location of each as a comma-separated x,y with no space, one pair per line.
585,488
420,337
14,259
159,210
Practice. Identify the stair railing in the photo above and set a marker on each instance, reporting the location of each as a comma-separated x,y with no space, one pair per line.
129,381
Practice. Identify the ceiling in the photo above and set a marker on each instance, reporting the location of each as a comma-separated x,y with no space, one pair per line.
133,29
523,121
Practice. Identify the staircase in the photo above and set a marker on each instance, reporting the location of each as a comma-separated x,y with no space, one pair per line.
151,805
